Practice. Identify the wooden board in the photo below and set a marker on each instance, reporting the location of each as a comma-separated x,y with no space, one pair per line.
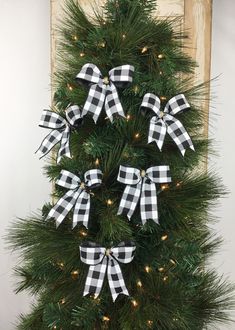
196,17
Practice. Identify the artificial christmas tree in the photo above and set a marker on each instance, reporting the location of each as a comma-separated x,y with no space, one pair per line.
125,243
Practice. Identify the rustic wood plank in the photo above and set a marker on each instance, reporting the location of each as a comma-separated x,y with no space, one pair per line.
197,21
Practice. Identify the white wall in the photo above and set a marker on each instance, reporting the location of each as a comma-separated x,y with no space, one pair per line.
223,55
24,92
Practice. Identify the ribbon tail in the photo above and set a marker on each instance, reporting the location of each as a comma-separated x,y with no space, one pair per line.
95,278
64,147
157,132
115,279
148,201
112,103
94,102
129,200
178,134
49,142
63,206
82,209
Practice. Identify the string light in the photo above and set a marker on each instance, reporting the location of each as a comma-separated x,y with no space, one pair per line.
55,327
147,269
96,299
136,89
134,303
124,36
105,318
128,117
164,186
75,37
83,233
137,135
74,274
160,56
109,202
172,262
161,269
82,54
163,98
139,284
62,301
144,49
161,73
149,323
61,265
178,184
97,162
70,87
165,278
102,44
164,237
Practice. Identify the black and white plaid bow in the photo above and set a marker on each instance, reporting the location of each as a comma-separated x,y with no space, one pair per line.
141,185
61,129
103,89
164,121
101,259
78,196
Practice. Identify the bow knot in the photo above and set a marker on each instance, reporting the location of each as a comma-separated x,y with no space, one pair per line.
106,80
78,196
164,121
61,129
103,90
101,260
141,185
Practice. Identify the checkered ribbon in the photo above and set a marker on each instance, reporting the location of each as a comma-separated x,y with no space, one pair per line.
103,90
164,121
61,129
100,259
141,185
78,196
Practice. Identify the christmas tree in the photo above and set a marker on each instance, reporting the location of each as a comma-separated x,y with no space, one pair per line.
126,241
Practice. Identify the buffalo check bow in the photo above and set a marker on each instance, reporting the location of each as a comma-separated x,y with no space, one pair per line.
164,121
103,90
101,259
61,129
141,185
78,196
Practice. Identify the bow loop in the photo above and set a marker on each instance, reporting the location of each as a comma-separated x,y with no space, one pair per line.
124,252
129,175
68,180
143,189
122,75
91,253
93,178
89,74
159,174
152,102
103,90
99,261
77,197
73,115
177,104
50,119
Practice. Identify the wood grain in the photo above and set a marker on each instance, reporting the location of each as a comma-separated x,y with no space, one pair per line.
197,21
